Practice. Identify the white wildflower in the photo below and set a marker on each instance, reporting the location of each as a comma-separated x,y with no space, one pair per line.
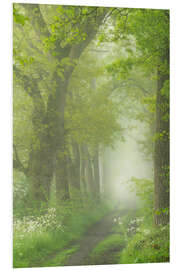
146,231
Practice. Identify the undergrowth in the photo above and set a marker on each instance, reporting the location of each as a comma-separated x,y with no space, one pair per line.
149,245
135,238
42,236
37,237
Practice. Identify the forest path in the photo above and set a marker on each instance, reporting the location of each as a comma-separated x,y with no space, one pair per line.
98,232
78,252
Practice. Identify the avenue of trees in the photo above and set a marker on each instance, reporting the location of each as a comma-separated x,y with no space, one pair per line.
78,72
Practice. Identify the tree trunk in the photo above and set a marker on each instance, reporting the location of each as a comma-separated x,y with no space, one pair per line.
76,167
106,174
59,143
73,170
83,171
96,175
89,173
40,173
61,176
40,164
161,155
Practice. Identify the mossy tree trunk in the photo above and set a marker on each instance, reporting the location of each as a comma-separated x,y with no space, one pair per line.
161,154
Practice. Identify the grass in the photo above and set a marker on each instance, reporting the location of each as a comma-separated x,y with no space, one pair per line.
134,240
149,245
33,247
106,251
60,258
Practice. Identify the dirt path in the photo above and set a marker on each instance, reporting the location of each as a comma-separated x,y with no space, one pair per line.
93,236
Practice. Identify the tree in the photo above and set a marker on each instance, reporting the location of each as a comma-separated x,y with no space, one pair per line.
150,28
152,34
91,119
63,48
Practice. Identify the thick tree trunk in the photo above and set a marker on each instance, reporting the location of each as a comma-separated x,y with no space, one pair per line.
62,185
40,165
161,155
40,173
59,143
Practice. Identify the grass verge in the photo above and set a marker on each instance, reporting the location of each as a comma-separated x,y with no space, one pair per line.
106,252
32,247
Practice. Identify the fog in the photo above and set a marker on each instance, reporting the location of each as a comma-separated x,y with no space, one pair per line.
125,161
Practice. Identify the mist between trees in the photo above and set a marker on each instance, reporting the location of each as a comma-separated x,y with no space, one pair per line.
91,110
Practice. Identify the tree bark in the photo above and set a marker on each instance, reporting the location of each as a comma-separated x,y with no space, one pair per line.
62,185
40,173
161,155
40,165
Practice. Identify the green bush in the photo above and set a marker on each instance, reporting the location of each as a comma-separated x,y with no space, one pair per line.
149,244
144,189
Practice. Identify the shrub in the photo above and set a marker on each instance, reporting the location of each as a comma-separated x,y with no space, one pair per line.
149,244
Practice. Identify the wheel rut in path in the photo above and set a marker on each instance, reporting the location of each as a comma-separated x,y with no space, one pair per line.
93,236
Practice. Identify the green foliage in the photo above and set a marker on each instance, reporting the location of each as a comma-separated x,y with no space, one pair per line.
147,246
18,17
99,92
144,189
161,211
93,121
60,258
151,30
68,25
146,242
121,67
42,236
43,58
91,115
106,251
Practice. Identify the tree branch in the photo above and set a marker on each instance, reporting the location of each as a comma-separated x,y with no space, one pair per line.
17,164
37,19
